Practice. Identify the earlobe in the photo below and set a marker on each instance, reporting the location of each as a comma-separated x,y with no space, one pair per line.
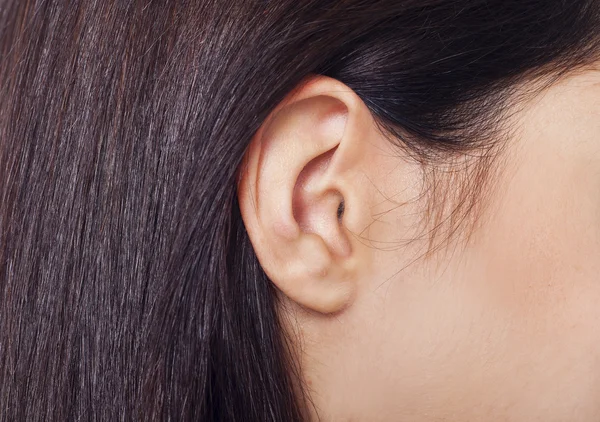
297,173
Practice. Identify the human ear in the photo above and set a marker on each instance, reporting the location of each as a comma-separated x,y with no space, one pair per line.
297,197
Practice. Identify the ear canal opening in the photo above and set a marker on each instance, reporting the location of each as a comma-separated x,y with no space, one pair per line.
341,209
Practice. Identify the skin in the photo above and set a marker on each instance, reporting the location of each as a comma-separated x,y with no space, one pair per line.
498,326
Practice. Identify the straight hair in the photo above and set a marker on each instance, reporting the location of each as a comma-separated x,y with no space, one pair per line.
129,289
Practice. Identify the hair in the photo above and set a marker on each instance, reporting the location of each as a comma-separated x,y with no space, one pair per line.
129,289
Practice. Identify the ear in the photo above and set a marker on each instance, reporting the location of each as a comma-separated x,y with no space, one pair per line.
297,197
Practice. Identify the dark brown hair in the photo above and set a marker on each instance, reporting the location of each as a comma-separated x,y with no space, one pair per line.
128,287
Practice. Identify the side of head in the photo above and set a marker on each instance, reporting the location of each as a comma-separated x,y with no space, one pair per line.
292,210
392,314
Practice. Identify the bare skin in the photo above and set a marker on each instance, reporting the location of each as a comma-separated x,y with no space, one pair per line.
502,327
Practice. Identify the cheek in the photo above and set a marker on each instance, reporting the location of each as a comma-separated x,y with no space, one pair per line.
453,348
507,328
539,248
525,296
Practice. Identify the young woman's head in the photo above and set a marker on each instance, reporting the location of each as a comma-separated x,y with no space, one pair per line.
300,210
